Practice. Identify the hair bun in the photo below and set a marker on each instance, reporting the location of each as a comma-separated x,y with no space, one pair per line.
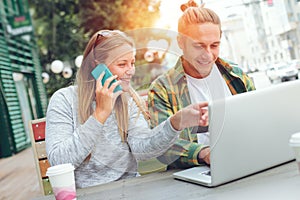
190,3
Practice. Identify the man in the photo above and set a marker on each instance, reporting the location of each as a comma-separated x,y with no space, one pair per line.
199,75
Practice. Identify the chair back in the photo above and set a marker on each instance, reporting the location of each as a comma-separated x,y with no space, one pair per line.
37,134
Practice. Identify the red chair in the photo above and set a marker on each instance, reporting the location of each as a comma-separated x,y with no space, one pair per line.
37,134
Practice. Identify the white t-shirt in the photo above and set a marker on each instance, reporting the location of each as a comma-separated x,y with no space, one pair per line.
208,88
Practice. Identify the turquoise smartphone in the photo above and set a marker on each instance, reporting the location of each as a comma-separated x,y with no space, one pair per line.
103,68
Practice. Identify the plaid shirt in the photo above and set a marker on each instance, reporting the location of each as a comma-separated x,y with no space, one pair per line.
169,93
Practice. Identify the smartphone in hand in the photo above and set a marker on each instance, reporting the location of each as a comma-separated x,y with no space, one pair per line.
99,69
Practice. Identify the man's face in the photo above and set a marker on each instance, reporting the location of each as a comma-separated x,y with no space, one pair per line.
200,48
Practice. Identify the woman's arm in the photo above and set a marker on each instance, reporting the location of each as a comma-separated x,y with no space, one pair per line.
64,142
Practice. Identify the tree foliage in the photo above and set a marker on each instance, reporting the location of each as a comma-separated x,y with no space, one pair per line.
63,27
119,14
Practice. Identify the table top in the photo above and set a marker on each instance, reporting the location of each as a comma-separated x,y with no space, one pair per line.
282,182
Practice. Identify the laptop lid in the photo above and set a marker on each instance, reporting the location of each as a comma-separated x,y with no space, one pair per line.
249,133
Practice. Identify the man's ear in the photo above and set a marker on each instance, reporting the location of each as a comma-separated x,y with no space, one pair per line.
180,41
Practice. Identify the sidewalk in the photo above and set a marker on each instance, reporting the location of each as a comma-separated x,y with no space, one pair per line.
18,177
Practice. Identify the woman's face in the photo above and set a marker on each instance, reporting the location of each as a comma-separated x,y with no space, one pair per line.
121,63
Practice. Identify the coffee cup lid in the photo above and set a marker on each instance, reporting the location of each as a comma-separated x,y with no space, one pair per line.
295,139
59,169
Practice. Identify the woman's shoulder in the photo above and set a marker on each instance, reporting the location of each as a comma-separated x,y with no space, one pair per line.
65,93
70,90
63,99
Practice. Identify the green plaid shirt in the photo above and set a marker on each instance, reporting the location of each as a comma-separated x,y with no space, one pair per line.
169,93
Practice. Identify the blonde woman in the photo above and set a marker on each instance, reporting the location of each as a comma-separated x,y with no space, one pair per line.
101,132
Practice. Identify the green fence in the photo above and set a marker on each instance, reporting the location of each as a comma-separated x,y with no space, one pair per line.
18,55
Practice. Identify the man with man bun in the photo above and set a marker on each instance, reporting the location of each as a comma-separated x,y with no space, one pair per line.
199,75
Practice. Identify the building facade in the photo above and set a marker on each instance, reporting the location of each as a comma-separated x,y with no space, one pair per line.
22,92
281,24
270,32
235,46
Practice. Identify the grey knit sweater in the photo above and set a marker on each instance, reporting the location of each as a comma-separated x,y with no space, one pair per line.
68,141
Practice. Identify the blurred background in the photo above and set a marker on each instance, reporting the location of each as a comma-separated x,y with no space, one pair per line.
257,35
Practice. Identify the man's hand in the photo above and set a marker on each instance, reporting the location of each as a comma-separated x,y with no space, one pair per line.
204,155
192,115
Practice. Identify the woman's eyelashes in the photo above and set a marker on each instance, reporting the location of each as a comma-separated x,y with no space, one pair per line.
122,64
125,64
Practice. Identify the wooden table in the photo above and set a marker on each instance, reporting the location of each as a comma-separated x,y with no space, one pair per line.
282,182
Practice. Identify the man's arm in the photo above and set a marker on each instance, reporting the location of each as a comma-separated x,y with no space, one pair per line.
162,103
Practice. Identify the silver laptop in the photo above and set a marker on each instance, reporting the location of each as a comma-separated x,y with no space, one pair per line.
249,133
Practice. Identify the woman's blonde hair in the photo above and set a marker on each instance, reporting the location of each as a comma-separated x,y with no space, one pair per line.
97,50
194,14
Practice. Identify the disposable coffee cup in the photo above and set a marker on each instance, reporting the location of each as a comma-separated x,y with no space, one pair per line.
295,144
203,138
62,181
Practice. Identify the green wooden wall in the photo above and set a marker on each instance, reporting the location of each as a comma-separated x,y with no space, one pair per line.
17,55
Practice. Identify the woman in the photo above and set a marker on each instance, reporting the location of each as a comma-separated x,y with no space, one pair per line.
101,132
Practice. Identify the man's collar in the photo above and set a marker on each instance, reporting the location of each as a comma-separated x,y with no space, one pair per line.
227,66
178,70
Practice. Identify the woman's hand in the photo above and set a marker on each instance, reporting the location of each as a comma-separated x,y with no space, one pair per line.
105,97
192,115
